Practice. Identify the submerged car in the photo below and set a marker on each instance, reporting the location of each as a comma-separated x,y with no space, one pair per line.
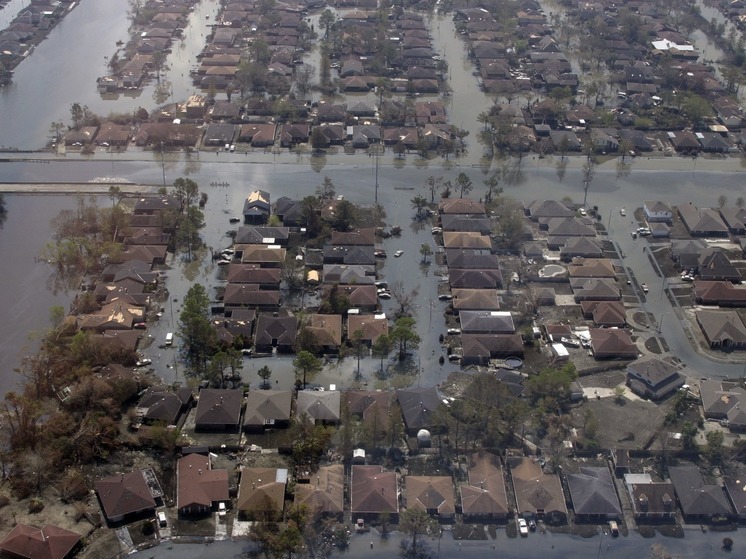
522,527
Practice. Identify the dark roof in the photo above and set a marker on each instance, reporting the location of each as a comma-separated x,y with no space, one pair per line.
265,405
485,494
695,496
48,542
373,491
218,407
593,493
123,494
418,406
318,405
283,329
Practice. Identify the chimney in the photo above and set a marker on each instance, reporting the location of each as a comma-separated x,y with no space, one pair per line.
667,502
643,502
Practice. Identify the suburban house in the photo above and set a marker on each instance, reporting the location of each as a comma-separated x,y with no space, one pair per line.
267,256
371,325
699,501
251,295
657,211
48,542
373,492
593,494
320,407
362,297
480,348
418,406
591,268
595,289
722,329
585,247
159,405
653,378
262,235
612,344
703,222
605,313
432,494
266,278
720,293
484,499
464,222
275,332
735,219
256,207
474,300
722,400
267,409
545,209
536,492
125,497
474,279
372,407
349,273
461,206
651,501
466,239
714,265
324,491
218,409
471,259
261,492
736,492
199,487
327,331
486,322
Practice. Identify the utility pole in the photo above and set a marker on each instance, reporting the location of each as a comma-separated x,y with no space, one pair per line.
377,156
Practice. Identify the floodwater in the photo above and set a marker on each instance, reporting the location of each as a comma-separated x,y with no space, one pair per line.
24,295
694,545
63,70
10,11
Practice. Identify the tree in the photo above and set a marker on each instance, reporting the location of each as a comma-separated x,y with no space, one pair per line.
326,190
432,184
405,299
419,203
510,223
195,329
318,140
688,434
327,19
722,200
739,202
304,79
619,394
403,334
714,449
426,252
77,115
588,169
345,216
493,189
414,522
55,129
308,364
356,340
382,348
464,184
264,373
727,544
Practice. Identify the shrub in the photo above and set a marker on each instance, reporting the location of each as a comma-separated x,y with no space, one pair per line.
35,505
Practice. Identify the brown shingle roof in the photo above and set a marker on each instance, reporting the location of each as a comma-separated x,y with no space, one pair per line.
48,542
123,494
198,484
373,491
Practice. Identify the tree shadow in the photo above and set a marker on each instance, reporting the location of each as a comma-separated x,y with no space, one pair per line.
318,162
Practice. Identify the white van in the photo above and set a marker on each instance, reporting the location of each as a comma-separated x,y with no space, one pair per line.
162,522
169,338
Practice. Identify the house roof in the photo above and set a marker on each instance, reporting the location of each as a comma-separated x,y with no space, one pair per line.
591,268
485,494
702,221
370,405
471,259
327,329
252,273
318,405
696,497
164,405
218,407
261,235
123,494
593,493
280,328
570,227
429,493
198,484
588,247
357,295
372,325
418,406
486,346
474,279
262,254
651,498
263,406
249,294
262,490
349,273
612,343
653,371
461,206
658,206
464,222
357,237
721,326
535,490
364,255
605,313
735,486
475,299
373,491
595,288
47,542
487,322
325,491
466,239
720,397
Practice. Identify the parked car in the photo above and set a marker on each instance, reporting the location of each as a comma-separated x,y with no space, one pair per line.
143,362
582,212
436,230
622,211
384,295
532,524
644,287
398,253
522,527
454,331
445,297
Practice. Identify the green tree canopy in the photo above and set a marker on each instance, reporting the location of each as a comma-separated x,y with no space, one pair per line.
194,328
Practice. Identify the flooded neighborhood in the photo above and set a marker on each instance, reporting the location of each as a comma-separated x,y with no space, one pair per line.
372,278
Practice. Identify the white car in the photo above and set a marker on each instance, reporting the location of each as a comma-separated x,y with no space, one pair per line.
398,253
582,212
437,230
522,527
384,295
622,211
454,331
143,362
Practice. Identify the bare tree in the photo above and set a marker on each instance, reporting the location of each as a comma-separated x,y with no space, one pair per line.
405,299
